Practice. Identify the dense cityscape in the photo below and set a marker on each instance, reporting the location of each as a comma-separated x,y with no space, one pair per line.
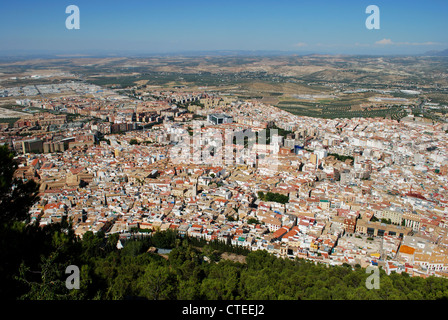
237,159
355,191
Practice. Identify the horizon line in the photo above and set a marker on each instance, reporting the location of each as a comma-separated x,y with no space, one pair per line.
218,52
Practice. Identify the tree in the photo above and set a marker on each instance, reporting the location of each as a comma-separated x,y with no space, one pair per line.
273,196
211,253
222,282
16,196
157,283
50,286
18,242
133,248
253,221
91,245
164,239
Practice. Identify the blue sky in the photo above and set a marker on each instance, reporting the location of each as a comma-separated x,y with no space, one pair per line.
325,26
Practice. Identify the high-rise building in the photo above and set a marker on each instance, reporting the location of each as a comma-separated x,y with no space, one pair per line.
34,145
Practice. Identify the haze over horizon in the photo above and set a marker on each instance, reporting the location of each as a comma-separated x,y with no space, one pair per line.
301,27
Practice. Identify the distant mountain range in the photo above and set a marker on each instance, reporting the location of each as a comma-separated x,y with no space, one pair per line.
443,53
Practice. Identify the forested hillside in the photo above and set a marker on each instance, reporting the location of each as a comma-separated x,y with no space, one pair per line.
190,271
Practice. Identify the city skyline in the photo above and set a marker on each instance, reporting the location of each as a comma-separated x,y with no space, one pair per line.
305,27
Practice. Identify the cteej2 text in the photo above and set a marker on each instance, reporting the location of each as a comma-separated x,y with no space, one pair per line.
232,309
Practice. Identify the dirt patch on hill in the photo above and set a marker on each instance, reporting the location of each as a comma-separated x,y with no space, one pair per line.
233,257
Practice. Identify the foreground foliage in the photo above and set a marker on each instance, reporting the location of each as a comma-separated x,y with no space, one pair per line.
132,272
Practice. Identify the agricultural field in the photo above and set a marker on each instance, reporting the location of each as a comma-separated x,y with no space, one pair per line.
326,86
